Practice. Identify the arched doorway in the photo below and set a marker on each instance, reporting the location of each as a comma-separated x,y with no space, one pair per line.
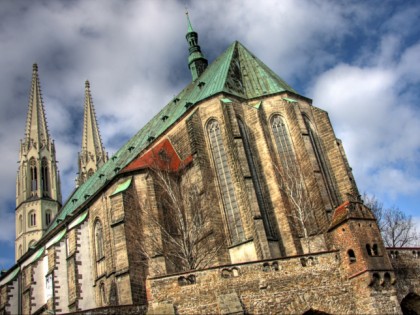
410,305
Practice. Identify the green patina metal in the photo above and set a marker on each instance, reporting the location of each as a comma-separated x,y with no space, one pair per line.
190,29
78,220
33,258
10,276
256,105
56,238
290,100
121,187
236,72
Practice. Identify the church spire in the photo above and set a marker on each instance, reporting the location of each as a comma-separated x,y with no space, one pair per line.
93,153
38,191
36,124
196,61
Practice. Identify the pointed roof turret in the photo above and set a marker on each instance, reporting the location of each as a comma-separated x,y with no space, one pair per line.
93,153
36,124
196,61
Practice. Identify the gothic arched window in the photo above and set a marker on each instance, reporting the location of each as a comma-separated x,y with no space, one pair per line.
99,240
224,176
33,176
322,161
283,143
31,218
44,177
256,181
48,214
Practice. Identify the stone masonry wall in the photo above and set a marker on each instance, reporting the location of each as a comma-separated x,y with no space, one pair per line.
406,263
292,285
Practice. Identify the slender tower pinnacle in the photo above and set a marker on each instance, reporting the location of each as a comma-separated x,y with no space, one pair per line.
196,61
38,192
93,153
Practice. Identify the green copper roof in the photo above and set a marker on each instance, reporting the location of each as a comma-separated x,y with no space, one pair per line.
236,72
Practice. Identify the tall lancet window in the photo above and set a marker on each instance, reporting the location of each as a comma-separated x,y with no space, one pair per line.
34,176
99,240
322,162
44,177
283,144
268,224
227,189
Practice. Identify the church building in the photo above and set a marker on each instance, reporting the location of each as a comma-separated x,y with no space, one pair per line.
236,198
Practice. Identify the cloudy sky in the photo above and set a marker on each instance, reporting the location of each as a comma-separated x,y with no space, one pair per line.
359,60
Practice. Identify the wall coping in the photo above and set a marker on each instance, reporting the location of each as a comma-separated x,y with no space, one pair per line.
244,263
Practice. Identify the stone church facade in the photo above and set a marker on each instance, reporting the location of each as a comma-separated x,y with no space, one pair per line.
236,198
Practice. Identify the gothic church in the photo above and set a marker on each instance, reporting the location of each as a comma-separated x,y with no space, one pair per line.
236,198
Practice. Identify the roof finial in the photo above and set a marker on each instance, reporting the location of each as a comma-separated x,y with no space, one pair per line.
35,67
87,85
190,29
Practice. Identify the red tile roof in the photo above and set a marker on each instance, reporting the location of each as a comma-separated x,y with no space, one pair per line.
162,156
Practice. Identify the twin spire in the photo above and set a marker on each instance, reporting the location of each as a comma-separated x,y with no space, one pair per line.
93,153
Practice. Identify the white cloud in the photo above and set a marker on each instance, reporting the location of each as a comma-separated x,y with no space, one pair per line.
134,54
378,124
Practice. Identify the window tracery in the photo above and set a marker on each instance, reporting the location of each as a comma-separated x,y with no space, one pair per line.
33,176
99,241
224,176
32,218
45,177
256,181
283,143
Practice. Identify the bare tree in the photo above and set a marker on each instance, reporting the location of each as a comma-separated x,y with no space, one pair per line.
181,224
376,207
397,228
292,184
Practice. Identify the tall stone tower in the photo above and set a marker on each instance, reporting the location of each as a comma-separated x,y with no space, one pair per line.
38,192
92,155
